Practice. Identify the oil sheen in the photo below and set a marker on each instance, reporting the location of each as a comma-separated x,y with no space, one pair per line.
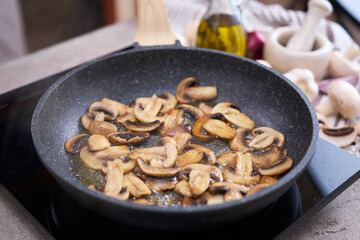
222,32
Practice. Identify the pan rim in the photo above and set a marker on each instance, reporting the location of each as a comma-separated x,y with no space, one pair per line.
283,182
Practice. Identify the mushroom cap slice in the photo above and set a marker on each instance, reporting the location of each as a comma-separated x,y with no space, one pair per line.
128,138
136,186
195,112
183,188
129,115
148,112
121,108
198,131
231,176
114,176
257,188
169,102
160,184
238,143
156,171
173,124
209,156
206,109
265,136
340,137
219,129
266,158
222,187
181,95
233,115
228,158
101,127
95,160
201,93
129,164
278,168
171,151
268,180
232,195
141,127
189,157
86,119
210,199
215,173
199,182
149,153
108,109
98,142
75,144
182,140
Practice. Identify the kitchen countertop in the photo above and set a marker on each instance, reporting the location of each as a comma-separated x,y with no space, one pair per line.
338,220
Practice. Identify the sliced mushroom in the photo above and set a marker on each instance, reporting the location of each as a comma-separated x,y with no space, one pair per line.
238,143
188,91
170,149
173,124
129,115
189,157
128,138
340,137
136,186
266,158
86,119
228,158
264,137
187,201
232,191
98,142
143,201
114,177
322,120
149,113
182,140
75,144
101,127
156,171
206,109
198,130
183,188
168,102
278,168
195,112
108,109
209,156
160,184
268,180
141,127
210,199
257,188
95,160
129,164
219,129
121,108
148,153
233,115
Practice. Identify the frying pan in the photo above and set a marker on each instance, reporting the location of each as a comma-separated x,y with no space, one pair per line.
263,94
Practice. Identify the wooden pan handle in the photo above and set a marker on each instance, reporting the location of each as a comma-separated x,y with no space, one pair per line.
153,24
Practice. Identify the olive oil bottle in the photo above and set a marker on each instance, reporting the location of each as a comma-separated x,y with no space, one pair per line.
221,28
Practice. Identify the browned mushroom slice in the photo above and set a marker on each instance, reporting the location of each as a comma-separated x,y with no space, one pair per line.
95,160
340,137
156,171
187,201
121,108
128,138
188,91
144,202
108,109
257,188
215,173
264,137
86,119
173,124
268,180
160,184
75,144
210,199
98,142
219,129
238,143
280,167
148,153
232,191
149,113
169,102
136,186
183,188
195,112
141,127
101,127
228,158
129,164
189,157
114,177
182,140
209,156
170,149
206,109
129,115
266,158
198,130
233,115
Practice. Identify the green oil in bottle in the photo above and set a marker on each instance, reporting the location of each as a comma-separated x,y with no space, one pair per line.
222,32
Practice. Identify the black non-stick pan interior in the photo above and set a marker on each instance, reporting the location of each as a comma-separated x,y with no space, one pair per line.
264,95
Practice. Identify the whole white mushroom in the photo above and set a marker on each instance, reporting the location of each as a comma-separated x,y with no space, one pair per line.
345,98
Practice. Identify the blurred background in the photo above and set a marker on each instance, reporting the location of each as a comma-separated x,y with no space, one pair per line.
44,23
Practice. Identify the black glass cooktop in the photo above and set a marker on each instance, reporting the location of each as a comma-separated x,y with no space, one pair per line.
23,175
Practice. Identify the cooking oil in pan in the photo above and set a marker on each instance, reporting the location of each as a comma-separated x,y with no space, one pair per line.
222,32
